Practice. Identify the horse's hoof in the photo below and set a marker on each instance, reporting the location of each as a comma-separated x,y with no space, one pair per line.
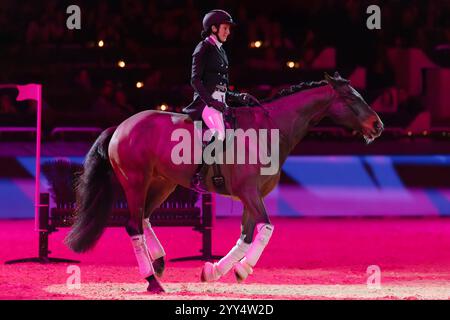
241,271
154,286
159,265
202,276
239,278
209,273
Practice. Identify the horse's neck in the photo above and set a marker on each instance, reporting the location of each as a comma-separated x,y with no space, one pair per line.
292,115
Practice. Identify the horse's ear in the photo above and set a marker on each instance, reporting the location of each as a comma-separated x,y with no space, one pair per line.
328,78
331,81
336,81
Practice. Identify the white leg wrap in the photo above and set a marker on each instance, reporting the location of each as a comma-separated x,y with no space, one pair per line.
210,273
242,270
235,255
142,255
154,246
258,245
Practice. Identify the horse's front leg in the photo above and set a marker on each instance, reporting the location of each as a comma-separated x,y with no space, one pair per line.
258,214
213,272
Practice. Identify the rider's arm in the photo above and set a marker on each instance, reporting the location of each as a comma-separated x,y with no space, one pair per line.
233,95
198,68
242,98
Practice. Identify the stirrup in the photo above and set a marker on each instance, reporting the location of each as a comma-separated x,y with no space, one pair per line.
198,183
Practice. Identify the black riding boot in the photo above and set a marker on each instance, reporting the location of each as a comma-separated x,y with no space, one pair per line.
198,182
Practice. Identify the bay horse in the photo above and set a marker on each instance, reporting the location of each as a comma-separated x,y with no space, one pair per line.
138,154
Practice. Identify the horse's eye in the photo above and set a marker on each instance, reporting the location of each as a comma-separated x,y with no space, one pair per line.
353,99
348,100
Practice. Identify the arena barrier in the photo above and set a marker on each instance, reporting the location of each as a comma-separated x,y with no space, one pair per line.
179,210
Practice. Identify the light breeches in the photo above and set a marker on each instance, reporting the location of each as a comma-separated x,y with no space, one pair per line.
214,120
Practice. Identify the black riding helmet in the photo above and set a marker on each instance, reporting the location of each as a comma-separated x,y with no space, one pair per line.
216,18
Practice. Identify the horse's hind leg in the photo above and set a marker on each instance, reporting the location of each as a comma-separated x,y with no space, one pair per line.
158,192
155,249
135,191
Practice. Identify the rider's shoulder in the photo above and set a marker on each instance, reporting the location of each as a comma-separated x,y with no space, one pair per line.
202,46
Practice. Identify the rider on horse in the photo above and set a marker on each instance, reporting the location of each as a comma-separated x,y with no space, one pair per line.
209,78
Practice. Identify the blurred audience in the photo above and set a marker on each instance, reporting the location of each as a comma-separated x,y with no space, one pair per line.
149,32
7,106
112,105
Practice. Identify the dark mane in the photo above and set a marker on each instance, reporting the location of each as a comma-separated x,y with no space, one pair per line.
296,88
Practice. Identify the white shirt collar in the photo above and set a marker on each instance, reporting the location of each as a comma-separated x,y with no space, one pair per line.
214,40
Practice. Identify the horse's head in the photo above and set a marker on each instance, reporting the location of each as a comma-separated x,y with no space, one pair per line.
348,108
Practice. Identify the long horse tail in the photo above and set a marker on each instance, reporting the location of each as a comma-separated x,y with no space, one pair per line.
94,192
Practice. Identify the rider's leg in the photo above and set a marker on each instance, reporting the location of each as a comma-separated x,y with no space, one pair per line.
214,120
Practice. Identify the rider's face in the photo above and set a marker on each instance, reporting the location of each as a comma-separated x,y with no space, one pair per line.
224,32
